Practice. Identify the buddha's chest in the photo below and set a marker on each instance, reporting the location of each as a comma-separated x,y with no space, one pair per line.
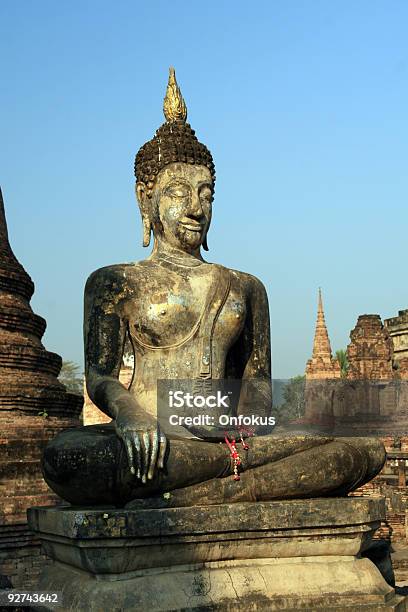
172,309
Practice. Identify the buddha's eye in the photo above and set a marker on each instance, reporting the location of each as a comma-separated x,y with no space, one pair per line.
206,194
178,191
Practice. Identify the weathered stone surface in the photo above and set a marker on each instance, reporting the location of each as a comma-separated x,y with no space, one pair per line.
273,467
263,556
379,552
98,522
309,583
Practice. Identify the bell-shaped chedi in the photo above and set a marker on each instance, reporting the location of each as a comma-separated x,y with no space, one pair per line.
28,373
34,407
322,365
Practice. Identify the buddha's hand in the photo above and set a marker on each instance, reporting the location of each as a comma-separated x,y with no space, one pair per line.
144,442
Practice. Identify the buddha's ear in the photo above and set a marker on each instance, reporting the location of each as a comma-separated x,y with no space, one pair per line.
144,205
205,242
141,193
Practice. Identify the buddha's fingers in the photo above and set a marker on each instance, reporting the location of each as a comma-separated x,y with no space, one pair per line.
162,451
136,441
145,454
129,451
154,439
132,446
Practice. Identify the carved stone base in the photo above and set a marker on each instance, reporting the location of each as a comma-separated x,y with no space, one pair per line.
281,555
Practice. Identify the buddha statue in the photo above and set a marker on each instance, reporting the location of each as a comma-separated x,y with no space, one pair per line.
186,319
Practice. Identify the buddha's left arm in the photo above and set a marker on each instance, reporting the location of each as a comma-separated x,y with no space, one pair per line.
253,353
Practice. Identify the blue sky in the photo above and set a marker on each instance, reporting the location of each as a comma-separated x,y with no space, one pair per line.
303,105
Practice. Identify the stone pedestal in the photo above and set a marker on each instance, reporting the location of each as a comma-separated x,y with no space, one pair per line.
281,555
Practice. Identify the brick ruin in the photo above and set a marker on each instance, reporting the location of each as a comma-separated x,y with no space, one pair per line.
34,407
371,398
397,327
376,351
373,395
370,352
375,390
391,483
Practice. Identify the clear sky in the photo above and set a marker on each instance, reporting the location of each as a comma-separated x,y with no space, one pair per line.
302,103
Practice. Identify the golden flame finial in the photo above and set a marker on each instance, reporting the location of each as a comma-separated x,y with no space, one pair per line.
174,107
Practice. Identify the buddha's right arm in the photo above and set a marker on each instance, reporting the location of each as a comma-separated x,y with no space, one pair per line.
104,337
105,324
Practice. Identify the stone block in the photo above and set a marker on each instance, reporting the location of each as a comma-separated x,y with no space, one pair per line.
281,555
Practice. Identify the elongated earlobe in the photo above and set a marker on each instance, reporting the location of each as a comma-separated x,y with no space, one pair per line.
205,244
144,211
147,228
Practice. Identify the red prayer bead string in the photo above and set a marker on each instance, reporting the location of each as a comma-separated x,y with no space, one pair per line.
234,454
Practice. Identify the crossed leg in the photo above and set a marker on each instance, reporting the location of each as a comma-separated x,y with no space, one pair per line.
88,465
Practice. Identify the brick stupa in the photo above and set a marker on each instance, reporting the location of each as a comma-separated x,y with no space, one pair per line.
322,365
28,388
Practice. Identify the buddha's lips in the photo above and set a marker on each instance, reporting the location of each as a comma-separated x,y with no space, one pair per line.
194,226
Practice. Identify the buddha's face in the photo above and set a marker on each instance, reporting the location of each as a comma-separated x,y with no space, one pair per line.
181,205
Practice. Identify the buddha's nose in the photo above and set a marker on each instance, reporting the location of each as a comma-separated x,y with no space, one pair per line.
196,209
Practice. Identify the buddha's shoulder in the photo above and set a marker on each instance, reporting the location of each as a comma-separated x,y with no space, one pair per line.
248,280
121,274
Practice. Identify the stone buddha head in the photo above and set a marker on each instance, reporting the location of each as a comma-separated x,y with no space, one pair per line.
175,179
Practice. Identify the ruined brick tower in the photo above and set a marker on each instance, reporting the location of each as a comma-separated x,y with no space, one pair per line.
322,364
398,330
370,352
34,406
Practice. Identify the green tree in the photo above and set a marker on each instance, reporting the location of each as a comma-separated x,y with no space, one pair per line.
71,377
341,356
293,405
